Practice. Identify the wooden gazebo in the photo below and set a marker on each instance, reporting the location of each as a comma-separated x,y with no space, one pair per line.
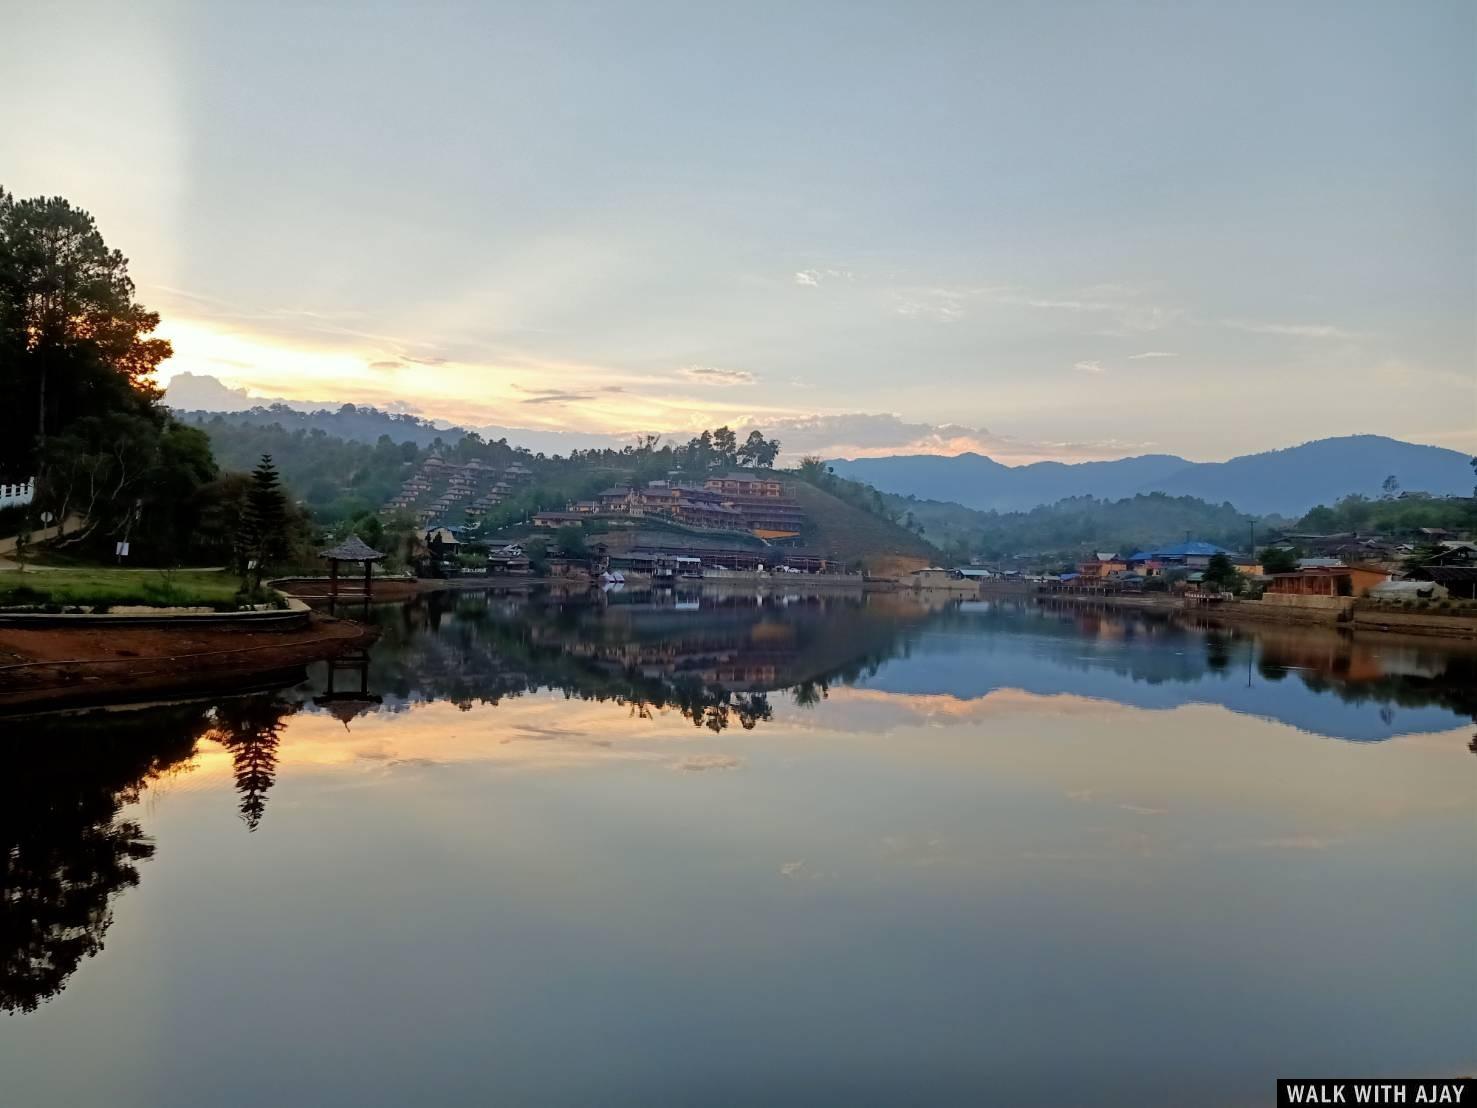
353,550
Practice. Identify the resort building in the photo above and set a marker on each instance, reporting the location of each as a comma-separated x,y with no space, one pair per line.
745,484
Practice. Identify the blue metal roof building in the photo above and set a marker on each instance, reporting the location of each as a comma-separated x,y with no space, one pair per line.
1180,550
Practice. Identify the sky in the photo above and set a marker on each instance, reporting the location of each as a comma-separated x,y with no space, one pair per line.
1035,230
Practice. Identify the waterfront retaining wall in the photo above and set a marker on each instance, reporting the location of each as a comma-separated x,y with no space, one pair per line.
1330,604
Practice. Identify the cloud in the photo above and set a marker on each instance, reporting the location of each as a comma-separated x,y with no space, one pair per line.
939,305
1089,367
868,434
1295,330
792,869
555,396
1152,354
1124,314
564,396
713,375
812,278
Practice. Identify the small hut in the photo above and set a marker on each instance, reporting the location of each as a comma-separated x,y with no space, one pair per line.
353,550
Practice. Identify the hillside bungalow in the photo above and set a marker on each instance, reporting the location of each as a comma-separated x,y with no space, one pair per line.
552,521
620,500
1328,581
443,539
508,561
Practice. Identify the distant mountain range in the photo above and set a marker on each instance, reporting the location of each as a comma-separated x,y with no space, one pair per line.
200,396
1282,482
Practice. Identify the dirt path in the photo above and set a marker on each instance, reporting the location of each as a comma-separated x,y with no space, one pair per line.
7,545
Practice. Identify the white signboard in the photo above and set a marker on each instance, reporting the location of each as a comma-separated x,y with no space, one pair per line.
121,549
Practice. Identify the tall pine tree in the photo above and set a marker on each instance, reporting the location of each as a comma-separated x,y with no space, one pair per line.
264,523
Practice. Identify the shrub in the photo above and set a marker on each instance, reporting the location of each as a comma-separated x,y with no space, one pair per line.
23,594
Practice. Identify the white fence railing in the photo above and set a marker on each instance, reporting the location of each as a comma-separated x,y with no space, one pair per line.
18,495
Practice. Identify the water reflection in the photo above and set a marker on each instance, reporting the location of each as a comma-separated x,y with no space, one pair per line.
69,848
719,663
715,664
65,849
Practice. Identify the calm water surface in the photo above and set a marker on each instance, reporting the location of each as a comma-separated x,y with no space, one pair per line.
730,851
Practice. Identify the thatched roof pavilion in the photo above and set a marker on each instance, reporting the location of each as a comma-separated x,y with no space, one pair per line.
355,550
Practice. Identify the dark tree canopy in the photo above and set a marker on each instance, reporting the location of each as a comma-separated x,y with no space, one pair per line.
77,362
73,340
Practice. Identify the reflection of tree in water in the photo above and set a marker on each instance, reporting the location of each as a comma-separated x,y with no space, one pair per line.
1324,660
251,729
716,667
65,850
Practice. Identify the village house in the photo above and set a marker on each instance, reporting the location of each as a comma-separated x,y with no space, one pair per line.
1185,556
1337,580
1102,564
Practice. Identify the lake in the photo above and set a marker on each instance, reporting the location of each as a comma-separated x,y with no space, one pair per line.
637,850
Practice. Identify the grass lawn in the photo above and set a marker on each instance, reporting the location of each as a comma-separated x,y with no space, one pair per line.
92,586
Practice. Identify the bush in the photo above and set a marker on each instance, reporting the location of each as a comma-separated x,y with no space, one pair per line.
23,594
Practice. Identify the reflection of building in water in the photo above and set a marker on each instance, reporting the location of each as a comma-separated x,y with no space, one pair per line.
702,655
347,695
709,660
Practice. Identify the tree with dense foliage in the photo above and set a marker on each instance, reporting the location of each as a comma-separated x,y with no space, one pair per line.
73,340
77,358
1279,559
757,451
570,541
1404,514
1221,574
264,523
725,447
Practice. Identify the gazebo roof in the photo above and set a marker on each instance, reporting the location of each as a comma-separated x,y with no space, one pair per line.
352,549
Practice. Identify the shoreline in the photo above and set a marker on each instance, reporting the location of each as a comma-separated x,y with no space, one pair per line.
1372,620
81,665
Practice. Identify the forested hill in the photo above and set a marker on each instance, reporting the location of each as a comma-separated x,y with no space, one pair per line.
349,422
1288,482
1076,525
341,479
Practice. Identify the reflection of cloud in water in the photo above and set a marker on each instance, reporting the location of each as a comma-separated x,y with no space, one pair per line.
877,710
538,731
700,762
1299,842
